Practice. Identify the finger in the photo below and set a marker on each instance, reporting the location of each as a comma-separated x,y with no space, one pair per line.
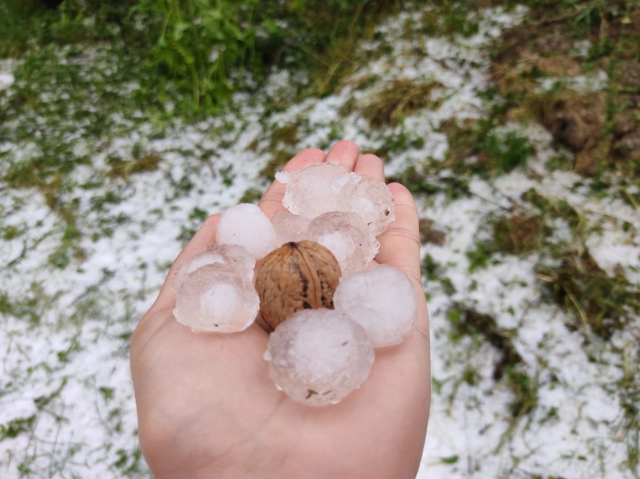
370,166
203,237
344,152
272,199
400,243
400,247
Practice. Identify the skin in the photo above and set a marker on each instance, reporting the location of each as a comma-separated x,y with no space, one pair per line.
208,409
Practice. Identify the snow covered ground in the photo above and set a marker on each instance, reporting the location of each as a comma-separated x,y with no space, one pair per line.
68,306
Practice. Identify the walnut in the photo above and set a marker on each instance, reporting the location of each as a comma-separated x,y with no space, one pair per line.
296,276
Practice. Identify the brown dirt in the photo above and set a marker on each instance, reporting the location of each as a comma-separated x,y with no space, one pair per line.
429,234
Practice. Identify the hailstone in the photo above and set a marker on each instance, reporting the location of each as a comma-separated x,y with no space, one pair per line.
246,225
318,356
382,300
313,190
290,227
216,297
347,236
233,255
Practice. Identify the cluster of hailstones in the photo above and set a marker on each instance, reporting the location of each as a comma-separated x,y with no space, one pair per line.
316,356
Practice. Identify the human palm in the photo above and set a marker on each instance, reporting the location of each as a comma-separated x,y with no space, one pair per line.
208,409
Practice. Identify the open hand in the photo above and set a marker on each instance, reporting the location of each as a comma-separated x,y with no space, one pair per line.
208,409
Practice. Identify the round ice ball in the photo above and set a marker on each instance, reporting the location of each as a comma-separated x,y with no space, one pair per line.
290,227
318,356
246,225
372,200
312,190
347,236
216,297
381,299
233,255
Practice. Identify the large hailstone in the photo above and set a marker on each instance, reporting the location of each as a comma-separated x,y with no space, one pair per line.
347,236
324,187
318,356
382,300
233,255
290,227
246,225
312,190
216,297
372,200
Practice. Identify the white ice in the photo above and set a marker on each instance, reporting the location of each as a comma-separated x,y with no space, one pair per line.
236,256
348,237
382,299
372,200
290,227
327,187
216,298
318,356
311,190
246,225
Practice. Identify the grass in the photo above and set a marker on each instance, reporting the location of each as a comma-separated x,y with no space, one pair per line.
124,168
482,329
397,101
603,304
600,128
493,150
567,274
69,67
15,427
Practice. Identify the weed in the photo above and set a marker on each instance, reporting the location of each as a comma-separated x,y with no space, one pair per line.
588,124
124,168
448,17
420,183
279,158
468,322
602,303
520,234
400,140
504,153
200,42
432,271
493,152
252,195
515,234
397,101
29,306
206,47
15,427
42,401
284,136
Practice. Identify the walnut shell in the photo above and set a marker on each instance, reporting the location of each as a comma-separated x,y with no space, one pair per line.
296,276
